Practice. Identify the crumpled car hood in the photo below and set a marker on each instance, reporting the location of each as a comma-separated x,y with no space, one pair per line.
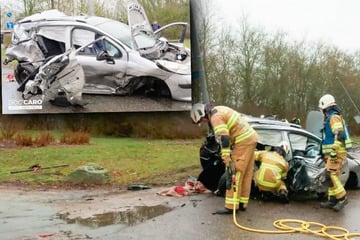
138,20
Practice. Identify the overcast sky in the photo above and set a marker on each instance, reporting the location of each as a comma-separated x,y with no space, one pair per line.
333,22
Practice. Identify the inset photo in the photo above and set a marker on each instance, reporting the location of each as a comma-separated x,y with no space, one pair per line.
57,62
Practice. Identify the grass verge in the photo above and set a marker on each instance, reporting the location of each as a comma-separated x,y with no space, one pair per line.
129,161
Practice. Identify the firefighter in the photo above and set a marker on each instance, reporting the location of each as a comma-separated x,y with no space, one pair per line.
238,141
335,142
272,171
295,120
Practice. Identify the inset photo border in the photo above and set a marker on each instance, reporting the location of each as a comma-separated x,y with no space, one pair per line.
57,63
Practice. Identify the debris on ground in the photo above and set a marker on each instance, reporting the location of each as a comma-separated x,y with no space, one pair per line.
137,187
191,186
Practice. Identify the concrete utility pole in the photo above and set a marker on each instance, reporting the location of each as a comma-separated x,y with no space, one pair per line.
199,91
75,8
91,8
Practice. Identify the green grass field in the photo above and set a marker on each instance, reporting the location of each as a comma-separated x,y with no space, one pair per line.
129,161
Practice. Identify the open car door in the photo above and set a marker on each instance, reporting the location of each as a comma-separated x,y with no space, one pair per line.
314,122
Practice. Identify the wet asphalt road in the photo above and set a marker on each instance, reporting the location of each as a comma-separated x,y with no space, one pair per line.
95,103
95,214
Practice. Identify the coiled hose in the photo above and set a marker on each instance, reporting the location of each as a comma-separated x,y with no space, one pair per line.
287,226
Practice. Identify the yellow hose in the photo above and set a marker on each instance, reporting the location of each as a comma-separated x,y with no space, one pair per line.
284,226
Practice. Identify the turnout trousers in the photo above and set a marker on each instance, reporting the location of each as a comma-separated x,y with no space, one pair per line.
243,156
334,169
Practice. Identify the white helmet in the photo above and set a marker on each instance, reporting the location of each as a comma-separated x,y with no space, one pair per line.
283,149
326,101
285,146
197,112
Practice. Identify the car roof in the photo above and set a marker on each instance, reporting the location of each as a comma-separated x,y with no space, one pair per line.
52,15
57,19
274,124
269,121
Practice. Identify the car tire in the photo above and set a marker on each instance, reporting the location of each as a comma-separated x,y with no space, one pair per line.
23,71
352,181
321,195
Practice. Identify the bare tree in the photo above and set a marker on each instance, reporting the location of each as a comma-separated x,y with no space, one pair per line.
249,55
220,75
167,11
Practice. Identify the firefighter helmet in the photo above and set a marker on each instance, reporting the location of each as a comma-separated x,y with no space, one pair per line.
197,112
326,101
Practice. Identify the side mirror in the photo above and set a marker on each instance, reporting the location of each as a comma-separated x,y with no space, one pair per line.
103,55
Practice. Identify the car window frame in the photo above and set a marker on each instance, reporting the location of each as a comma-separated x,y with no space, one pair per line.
285,132
313,152
106,41
281,135
159,32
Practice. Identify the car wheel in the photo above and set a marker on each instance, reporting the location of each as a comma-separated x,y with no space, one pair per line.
158,88
23,71
352,181
321,195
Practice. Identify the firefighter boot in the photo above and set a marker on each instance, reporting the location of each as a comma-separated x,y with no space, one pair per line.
283,196
224,211
340,204
242,207
329,203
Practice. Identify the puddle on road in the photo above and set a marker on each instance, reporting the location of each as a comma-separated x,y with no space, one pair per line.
130,217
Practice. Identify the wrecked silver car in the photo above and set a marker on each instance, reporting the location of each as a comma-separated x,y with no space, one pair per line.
116,58
307,174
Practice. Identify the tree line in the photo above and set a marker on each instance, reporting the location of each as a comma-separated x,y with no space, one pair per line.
260,73
247,68
163,11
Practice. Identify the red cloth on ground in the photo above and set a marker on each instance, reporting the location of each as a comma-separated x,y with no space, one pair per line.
190,187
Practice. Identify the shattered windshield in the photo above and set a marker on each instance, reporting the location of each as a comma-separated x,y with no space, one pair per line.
143,40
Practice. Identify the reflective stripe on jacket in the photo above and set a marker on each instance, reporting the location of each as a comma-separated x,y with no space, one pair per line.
274,161
333,123
227,122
